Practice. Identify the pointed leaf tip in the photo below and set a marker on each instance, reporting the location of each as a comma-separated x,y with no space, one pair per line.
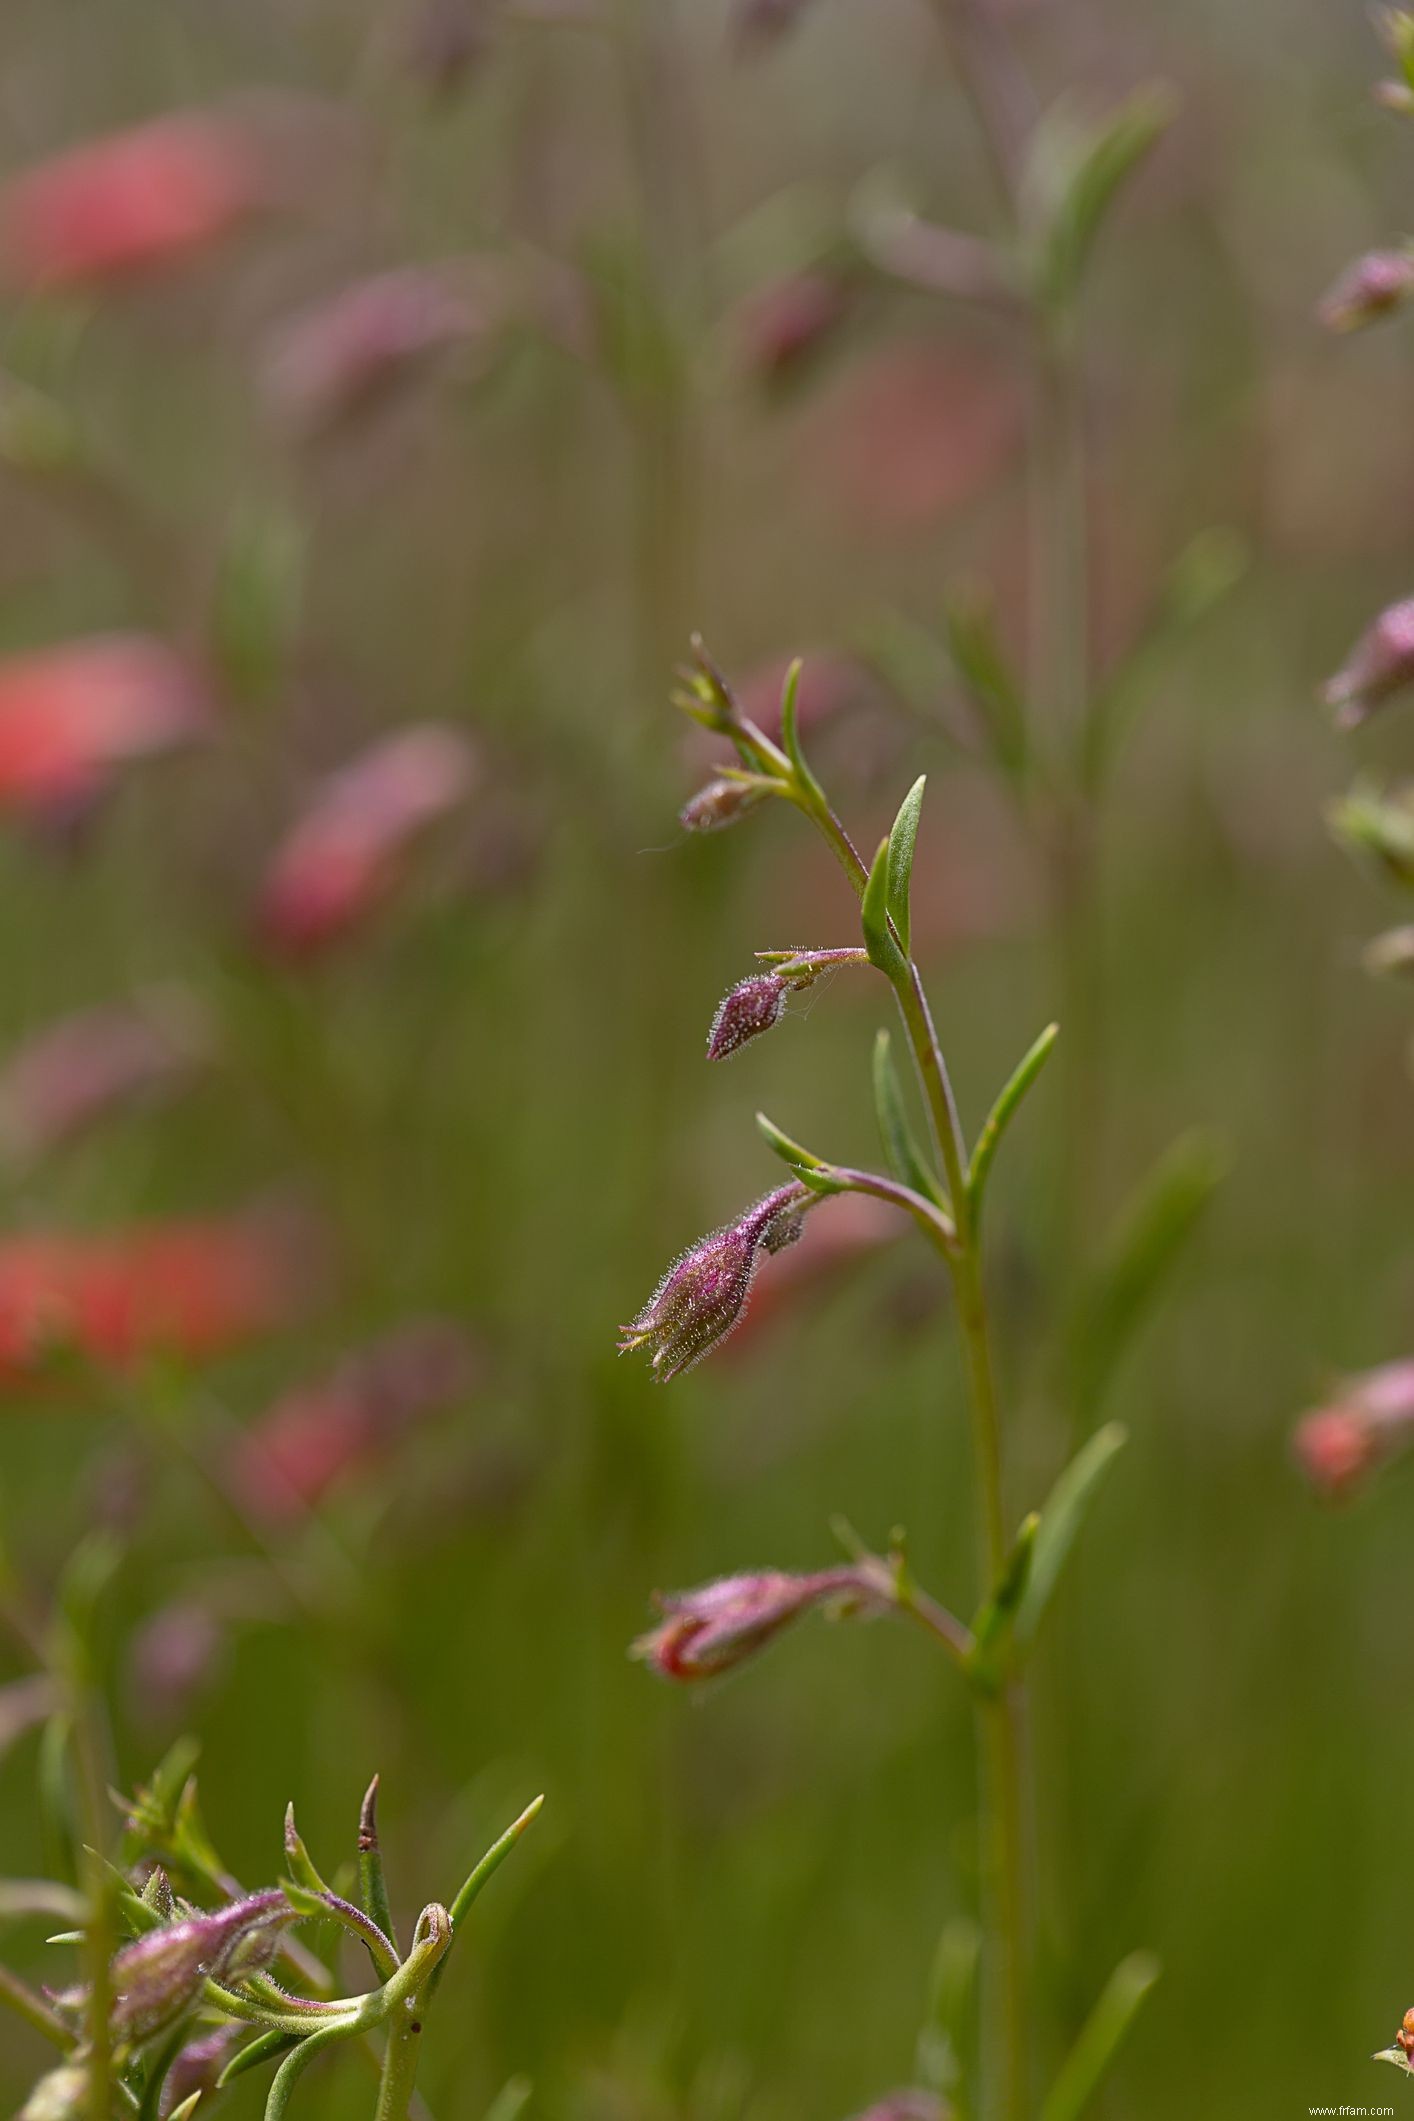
903,842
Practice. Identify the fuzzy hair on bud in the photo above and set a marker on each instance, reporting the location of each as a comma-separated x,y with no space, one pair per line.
754,1005
159,1975
1380,664
704,1292
720,1625
1373,287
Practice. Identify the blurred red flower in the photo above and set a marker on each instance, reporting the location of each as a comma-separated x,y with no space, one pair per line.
345,855
70,715
915,432
184,1288
131,203
349,1422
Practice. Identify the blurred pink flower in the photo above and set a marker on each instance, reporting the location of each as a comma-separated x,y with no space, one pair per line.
345,855
132,203
69,716
72,1074
190,1289
351,352
175,1654
915,432
720,1625
1341,1445
350,1422
854,1229
782,326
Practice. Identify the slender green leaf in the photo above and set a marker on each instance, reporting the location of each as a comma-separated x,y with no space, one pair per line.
905,1159
491,1862
511,2101
874,915
1142,1252
1064,1513
263,2048
903,841
1004,1111
1076,173
372,1886
187,2108
790,718
1088,2062
790,1152
947,2041
996,1624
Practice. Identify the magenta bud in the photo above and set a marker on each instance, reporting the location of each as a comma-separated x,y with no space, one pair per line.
753,1006
1341,1445
1380,664
1371,288
718,805
704,1292
720,1625
158,1976
199,2065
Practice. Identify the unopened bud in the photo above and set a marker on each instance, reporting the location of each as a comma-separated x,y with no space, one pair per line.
754,1005
1339,1446
1380,828
1380,664
1373,287
719,1625
199,2065
717,805
704,1292
155,1978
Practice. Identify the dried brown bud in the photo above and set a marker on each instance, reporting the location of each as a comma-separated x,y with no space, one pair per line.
717,805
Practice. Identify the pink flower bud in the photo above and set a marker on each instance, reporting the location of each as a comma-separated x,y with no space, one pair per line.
718,1626
704,1292
130,204
70,715
751,1007
345,855
717,805
65,1079
1371,288
156,1977
1380,664
786,323
175,1655
199,2065
1341,1445
352,352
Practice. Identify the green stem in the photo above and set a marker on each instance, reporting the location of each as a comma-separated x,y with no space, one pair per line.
398,2081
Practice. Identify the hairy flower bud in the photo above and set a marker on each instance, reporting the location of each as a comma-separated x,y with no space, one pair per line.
754,1005
156,1977
199,2065
704,1292
718,805
719,1625
1339,1446
1380,664
1371,288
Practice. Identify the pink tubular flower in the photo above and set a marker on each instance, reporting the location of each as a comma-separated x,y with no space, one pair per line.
1368,290
68,1077
344,856
192,1289
69,716
325,1433
131,204
1380,664
159,1974
718,1626
704,1292
351,352
1339,1446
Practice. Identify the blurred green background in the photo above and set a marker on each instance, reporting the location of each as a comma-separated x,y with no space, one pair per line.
495,1101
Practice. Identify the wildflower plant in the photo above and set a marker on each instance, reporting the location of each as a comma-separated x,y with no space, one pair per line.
939,1182
212,1983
